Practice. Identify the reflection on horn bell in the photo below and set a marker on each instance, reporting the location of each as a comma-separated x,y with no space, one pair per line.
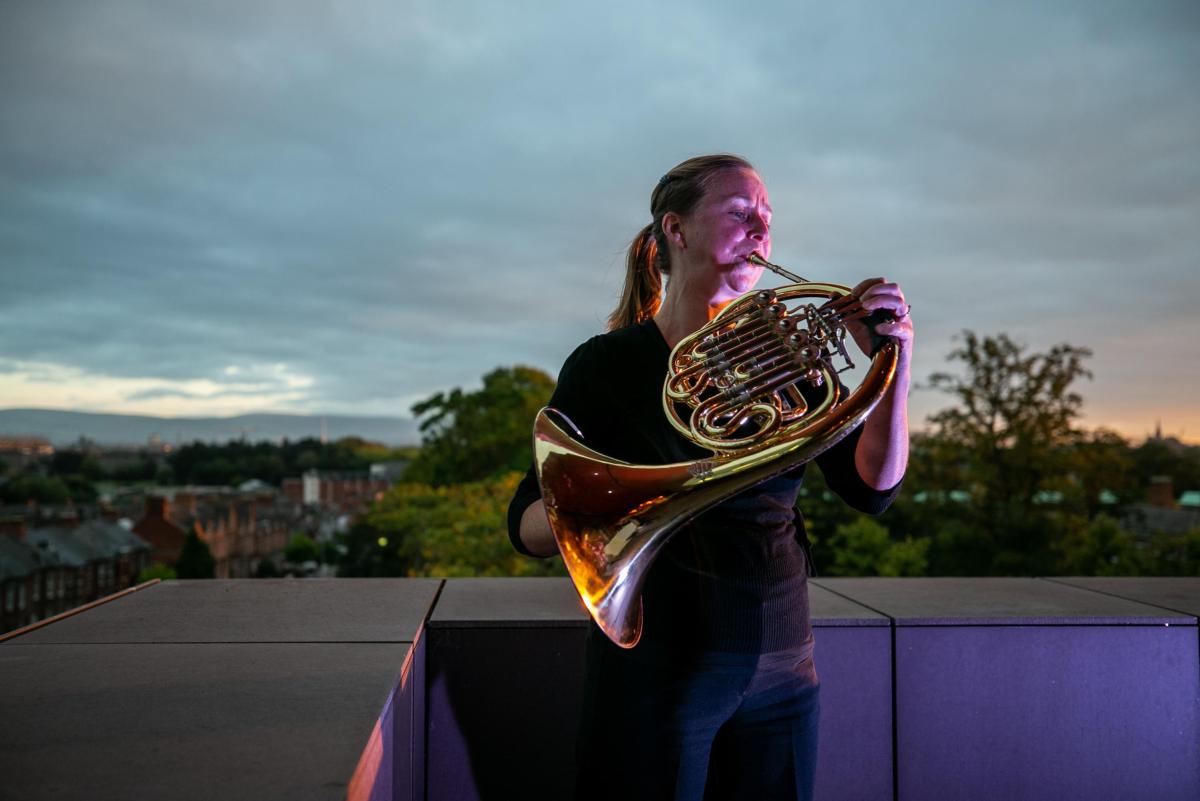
734,387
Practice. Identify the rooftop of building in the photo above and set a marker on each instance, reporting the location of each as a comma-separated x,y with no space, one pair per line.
439,689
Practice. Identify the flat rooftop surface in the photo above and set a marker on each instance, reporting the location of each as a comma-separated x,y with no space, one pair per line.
1180,593
522,602
241,689
254,610
226,721
270,689
507,602
828,608
998,601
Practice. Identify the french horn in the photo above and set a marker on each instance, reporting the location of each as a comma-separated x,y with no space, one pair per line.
732,387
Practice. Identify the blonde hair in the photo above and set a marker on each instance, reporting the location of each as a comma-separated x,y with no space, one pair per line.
647,259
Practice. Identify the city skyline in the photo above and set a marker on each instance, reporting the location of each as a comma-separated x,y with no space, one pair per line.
343,209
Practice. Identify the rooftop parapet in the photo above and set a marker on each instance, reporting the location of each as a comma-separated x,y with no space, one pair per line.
441,689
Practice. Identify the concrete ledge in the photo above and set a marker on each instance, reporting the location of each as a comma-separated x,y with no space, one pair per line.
508,603
255,610
1178,594
997,602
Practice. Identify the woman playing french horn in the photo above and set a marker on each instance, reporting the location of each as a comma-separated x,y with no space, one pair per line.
719,698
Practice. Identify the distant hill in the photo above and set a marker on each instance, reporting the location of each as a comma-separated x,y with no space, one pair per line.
65,428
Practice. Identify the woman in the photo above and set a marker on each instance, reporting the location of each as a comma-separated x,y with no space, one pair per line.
719,699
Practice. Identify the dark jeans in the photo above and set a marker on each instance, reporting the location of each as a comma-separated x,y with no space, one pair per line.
697,727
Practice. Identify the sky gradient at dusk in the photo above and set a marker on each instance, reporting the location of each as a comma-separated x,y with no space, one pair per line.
344,207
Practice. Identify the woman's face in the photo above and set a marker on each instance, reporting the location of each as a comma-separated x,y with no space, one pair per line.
729,223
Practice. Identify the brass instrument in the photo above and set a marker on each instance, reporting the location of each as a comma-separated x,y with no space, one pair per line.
732,388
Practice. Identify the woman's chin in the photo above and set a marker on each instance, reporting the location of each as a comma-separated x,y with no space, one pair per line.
744,278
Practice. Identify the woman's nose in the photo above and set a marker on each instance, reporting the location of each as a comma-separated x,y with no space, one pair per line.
758,228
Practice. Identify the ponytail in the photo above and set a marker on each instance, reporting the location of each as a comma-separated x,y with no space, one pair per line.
641,295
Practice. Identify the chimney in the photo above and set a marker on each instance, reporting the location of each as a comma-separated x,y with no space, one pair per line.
1161,492
157,506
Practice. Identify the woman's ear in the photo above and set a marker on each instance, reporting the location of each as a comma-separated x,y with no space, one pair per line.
672,226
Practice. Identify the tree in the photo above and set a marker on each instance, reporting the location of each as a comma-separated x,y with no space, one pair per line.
1174,554
301,549
76,462
144,469
1099,548
1009,439
239,460
24,487
470,436
452,530
1101,462
195,560
863,548
1167,457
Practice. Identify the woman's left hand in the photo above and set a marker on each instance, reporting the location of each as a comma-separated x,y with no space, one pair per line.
878,293
882,453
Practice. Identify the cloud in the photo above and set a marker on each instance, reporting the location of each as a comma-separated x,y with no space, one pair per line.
392,199
32,384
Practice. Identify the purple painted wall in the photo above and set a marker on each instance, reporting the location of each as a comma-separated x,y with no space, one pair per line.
1004,689
855,668
1048,712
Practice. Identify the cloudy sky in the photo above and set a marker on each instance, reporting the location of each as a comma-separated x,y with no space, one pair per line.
213,208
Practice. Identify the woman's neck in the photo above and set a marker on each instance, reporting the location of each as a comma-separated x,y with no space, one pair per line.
682,314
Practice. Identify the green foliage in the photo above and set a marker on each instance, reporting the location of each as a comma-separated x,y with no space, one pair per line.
908,557
266,569
863,548
453,530
1008,442
156,571
81,489
195,560
1173,554
1101,461
1156,457
470,436
144,469
1099,547
367,552
1010,400
330,552
232,463
24,487
1004,484
71,462
301,549
372,452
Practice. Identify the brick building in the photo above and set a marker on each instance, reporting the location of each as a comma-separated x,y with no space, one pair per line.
46,570
347,492
241,528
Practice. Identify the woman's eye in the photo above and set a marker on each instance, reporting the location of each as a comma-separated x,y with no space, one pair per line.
740,216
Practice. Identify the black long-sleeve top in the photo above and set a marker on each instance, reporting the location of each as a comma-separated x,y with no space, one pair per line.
735,577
